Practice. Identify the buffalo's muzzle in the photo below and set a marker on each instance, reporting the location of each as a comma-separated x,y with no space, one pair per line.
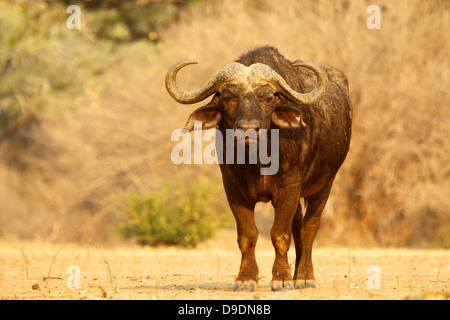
245,125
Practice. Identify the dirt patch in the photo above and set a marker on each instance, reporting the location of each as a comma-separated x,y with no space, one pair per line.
39,270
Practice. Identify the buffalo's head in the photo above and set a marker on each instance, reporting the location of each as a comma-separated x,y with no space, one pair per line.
246,97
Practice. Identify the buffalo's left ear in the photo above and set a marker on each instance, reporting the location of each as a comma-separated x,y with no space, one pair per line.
209,115
287,117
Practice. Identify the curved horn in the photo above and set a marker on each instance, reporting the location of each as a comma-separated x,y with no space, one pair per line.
210,87
234,71
296,97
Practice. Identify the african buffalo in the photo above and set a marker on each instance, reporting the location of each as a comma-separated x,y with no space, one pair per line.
310,107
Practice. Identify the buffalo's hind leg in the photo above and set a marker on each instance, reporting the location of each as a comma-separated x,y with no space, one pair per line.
304,230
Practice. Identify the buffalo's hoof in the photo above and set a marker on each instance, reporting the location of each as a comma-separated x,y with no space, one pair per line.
278,285
302,284
248,285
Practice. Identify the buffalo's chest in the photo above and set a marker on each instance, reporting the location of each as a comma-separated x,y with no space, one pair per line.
258,188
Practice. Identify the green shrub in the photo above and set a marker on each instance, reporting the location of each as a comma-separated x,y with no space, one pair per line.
176,215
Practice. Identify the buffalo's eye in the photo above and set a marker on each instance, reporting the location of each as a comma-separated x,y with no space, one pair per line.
227,96
266,99
226,99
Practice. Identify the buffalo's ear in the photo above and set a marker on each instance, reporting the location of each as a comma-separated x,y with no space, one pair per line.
287,117
209,115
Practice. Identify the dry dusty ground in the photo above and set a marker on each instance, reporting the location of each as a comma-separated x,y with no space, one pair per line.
38,270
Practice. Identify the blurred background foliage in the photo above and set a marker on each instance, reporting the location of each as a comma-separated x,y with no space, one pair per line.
180,213
85,121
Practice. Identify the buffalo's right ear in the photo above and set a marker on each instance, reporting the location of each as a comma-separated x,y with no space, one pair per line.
209,115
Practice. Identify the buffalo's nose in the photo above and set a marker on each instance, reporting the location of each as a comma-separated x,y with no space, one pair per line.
248,124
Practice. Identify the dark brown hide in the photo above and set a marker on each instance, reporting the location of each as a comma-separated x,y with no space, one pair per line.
313,143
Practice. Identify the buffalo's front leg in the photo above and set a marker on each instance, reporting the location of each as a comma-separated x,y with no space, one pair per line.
285,208
247,279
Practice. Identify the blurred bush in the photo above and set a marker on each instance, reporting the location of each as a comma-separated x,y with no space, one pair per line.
178,214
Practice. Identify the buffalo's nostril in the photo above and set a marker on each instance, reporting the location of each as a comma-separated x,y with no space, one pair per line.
248,124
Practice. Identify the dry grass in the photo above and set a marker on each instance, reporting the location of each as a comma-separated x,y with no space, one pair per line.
208,272
114,137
